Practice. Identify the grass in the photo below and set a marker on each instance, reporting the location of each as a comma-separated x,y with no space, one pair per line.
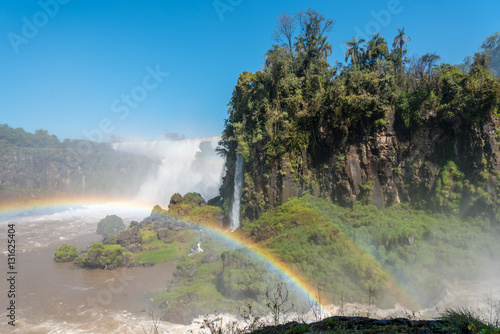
463,320
360,249
170,253
147,236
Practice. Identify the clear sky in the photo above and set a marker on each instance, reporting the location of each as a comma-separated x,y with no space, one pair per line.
83,68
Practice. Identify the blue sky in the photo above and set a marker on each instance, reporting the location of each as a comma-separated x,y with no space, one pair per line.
86,68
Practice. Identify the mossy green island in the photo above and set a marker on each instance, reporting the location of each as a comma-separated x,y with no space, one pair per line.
65,253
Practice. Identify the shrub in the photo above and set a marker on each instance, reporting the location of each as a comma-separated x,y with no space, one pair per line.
65,253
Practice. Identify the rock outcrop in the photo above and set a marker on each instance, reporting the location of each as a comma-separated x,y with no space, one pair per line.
445,164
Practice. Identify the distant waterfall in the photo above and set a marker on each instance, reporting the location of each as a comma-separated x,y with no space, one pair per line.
190,165
238,183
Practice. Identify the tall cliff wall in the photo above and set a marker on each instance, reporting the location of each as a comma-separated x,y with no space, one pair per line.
44,172
448,164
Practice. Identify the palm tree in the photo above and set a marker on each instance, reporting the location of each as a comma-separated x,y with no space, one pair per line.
400,40
354,51
325,47
398,45
492,41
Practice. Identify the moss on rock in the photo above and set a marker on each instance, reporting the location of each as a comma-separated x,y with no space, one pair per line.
65,253
101,256
110,225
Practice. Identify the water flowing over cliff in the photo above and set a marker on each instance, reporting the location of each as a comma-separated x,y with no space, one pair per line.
184,166
238,183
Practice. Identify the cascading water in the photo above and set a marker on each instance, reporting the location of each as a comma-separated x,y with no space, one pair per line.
184,166
238,183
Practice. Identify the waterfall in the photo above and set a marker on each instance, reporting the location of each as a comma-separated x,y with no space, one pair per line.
190,165
238,183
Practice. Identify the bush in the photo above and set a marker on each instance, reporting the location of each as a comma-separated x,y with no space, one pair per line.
65,253
105,256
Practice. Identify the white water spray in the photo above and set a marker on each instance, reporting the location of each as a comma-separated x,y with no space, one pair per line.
185,166
238,183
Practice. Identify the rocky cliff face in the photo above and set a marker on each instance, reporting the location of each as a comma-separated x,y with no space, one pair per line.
447,164
40,172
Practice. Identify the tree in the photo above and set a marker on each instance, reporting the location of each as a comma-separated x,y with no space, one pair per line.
399,51
311,44
354,51
491,47
491,42
400,40
377,49
285,29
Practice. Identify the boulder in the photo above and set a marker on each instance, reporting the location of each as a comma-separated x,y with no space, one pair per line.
110,225
175,199
210,258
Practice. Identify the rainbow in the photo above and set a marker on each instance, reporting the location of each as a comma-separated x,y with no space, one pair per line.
301,283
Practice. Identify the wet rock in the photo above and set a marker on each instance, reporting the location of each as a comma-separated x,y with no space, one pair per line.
128,238
110,225
361,325
175,199
184,310
134,264
210,258
162,233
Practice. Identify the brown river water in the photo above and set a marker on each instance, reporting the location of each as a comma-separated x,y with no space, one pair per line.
56,298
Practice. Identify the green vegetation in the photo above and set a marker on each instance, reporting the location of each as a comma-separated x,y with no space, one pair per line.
104,256
193,207
203,286
148,236
170,252
358,254
466,321
453,321
244,275
491,48
65,253
110,225
20,138
300,114
360,250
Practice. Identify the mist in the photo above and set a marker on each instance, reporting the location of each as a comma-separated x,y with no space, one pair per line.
190,165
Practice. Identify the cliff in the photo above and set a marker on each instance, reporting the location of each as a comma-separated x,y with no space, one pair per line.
444,164
37,165
381,131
